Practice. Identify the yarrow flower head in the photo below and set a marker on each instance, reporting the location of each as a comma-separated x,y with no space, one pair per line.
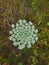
23,34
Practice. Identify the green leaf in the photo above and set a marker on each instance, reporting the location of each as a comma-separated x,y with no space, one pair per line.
20,63
47,23
35,1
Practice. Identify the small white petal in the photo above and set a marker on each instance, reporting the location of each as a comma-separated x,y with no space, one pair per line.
34,35
25,43
22,26
13,35
33,27
17,24
19,38
13,30
28,28
12,25
16,36
14,39
36,38
20,21
32,31
21,47
28,37
30,23
36,31
24,21
26,24
15,43
10,38
33,41
29,45
10,32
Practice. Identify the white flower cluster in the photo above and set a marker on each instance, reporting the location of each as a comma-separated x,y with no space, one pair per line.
23,34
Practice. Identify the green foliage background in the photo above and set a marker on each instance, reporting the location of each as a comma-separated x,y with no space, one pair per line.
38,12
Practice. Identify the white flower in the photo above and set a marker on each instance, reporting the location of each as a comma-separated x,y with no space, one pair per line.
17,25
29,45
30,23
21,47
13,39
15,43
20,21
23,34
13,30
33,41
33,27
26,24
36,38
12,25
10,38
36,31
13,35
10,32
24,21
